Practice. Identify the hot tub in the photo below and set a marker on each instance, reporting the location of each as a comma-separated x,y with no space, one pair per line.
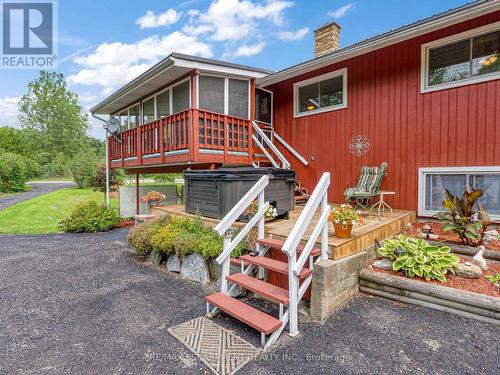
212,193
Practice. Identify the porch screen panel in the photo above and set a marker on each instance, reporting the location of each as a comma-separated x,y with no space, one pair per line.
148,110
486,54
133,116
180,97
211,93
123,120
238,98
163,104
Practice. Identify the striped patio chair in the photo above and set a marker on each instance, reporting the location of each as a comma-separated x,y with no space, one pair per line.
368,187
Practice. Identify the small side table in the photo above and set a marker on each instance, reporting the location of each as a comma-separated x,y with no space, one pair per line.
381,205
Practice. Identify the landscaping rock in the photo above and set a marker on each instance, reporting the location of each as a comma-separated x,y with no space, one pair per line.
490,235
383,264
155,257
194,267
468,270
174,263
214,268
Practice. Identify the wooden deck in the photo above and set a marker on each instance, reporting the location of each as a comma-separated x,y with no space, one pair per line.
362,235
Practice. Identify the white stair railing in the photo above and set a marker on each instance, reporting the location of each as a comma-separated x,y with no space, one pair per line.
318,197
265,139
291,149
224,227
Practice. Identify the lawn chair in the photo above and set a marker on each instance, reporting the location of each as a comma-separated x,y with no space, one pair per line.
368,187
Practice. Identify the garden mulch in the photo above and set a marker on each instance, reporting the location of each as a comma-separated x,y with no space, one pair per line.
416,228
480,285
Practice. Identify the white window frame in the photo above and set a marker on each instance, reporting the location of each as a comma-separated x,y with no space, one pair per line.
424,64
169,101
424,171
296,86
155,115
272,105
226,91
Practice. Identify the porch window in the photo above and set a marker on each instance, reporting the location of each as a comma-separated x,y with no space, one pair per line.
432,181
211,93
133,116
163,104
327,92
470,57
238,91
263,106
180,97
123,117
148,110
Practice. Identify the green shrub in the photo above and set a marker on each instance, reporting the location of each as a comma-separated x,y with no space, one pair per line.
90,217
140,236
493,278
183,236
13,172
416,257
84,169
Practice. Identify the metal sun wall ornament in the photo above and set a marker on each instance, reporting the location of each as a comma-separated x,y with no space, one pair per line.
360,145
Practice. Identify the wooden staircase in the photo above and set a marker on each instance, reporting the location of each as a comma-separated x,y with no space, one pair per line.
296,269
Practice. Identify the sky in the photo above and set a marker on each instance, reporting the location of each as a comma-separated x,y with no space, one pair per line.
105,44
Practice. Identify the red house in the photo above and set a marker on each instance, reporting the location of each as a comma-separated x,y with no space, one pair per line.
425,98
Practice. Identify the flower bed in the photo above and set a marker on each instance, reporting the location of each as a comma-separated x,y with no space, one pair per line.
415,231
480,285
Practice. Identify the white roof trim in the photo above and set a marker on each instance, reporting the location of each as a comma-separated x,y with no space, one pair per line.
437,22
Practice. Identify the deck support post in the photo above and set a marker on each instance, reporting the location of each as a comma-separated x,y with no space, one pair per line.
137,194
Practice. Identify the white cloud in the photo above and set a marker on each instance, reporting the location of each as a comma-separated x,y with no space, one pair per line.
150,20
340,12
246,50
293,35
230,20
113,64
8,110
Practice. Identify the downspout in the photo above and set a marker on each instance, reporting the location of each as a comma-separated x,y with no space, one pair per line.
107,161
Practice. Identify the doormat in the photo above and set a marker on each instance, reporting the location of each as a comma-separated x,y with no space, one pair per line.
219,349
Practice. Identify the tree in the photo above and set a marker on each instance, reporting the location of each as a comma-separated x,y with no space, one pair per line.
53,116
84,168
14,140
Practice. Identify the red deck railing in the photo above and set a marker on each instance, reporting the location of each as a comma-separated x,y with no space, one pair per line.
155,141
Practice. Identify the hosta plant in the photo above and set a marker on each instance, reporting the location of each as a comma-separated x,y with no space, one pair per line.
461,217
416,257
493,278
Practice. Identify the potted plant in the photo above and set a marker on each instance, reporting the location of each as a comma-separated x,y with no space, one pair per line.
343,218
153,198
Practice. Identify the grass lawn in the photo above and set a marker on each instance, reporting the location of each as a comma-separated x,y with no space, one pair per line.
26,188
42,214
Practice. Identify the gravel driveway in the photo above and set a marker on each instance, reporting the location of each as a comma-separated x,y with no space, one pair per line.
39,188
75,304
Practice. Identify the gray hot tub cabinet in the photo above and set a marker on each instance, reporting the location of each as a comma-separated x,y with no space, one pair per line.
212,193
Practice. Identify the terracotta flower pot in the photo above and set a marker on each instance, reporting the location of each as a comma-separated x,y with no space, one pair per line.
342,231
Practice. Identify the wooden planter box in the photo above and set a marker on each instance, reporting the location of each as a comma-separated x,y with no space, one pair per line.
442,298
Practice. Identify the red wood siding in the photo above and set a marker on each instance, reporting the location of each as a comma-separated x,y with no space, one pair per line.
452,127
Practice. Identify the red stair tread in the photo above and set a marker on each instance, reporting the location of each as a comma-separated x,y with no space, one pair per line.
247,314
300,198
270,291
273,265
278,244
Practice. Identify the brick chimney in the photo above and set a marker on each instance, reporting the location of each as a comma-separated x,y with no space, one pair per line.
326,39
